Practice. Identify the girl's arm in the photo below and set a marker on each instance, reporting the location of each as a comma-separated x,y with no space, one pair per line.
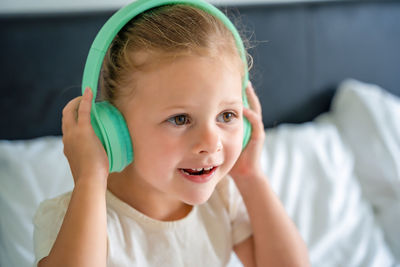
275,240
82,239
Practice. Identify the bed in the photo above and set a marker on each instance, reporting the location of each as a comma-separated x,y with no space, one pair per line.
328,77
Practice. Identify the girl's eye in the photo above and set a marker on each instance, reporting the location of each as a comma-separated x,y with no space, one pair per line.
226,117
179,120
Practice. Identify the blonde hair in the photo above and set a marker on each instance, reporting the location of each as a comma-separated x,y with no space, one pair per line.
162,34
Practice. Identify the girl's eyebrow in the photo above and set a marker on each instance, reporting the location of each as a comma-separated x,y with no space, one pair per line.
231,102
177,107
223,103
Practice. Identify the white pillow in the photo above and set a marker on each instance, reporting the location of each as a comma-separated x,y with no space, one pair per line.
311,170
369,120
30,172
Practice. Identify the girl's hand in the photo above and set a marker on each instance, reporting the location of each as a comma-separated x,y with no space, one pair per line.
83,149
248,164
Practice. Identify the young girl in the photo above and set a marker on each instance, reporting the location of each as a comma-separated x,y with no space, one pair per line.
191,195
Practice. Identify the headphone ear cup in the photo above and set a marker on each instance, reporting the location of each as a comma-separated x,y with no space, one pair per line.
246,124
246,132
112,130
96,129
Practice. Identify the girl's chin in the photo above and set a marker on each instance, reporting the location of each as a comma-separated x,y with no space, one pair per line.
199,193
197,198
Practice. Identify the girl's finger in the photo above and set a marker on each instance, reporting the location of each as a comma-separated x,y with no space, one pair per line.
84,107
68,113
254,102
256,123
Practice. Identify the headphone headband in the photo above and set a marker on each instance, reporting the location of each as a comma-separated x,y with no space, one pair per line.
115,23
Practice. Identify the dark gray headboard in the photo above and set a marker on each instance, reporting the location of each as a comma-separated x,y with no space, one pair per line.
311,48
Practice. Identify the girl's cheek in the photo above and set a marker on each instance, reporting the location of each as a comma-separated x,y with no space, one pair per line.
233,145
168,147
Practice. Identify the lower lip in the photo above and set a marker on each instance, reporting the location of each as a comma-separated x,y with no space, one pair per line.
203,178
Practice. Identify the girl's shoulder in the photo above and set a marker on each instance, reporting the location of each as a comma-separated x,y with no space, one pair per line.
52,208
229,194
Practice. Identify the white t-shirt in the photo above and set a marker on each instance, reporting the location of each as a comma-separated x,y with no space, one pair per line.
205,237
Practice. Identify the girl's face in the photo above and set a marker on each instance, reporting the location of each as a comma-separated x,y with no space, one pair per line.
186,126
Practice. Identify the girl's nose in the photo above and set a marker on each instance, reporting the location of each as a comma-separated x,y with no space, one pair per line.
207,141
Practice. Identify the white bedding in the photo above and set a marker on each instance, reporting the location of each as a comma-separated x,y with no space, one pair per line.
338,178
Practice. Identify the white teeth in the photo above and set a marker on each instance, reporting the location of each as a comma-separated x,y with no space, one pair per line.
201,169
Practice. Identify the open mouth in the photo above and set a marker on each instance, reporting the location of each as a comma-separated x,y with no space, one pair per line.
201,175
200,171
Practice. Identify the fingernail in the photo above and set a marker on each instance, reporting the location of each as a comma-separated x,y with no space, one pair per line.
87,91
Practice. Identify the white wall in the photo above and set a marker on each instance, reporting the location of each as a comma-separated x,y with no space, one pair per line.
28,6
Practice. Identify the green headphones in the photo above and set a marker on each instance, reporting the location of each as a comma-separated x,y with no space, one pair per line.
107,121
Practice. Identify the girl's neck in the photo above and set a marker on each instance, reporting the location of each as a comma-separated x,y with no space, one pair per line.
137,194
